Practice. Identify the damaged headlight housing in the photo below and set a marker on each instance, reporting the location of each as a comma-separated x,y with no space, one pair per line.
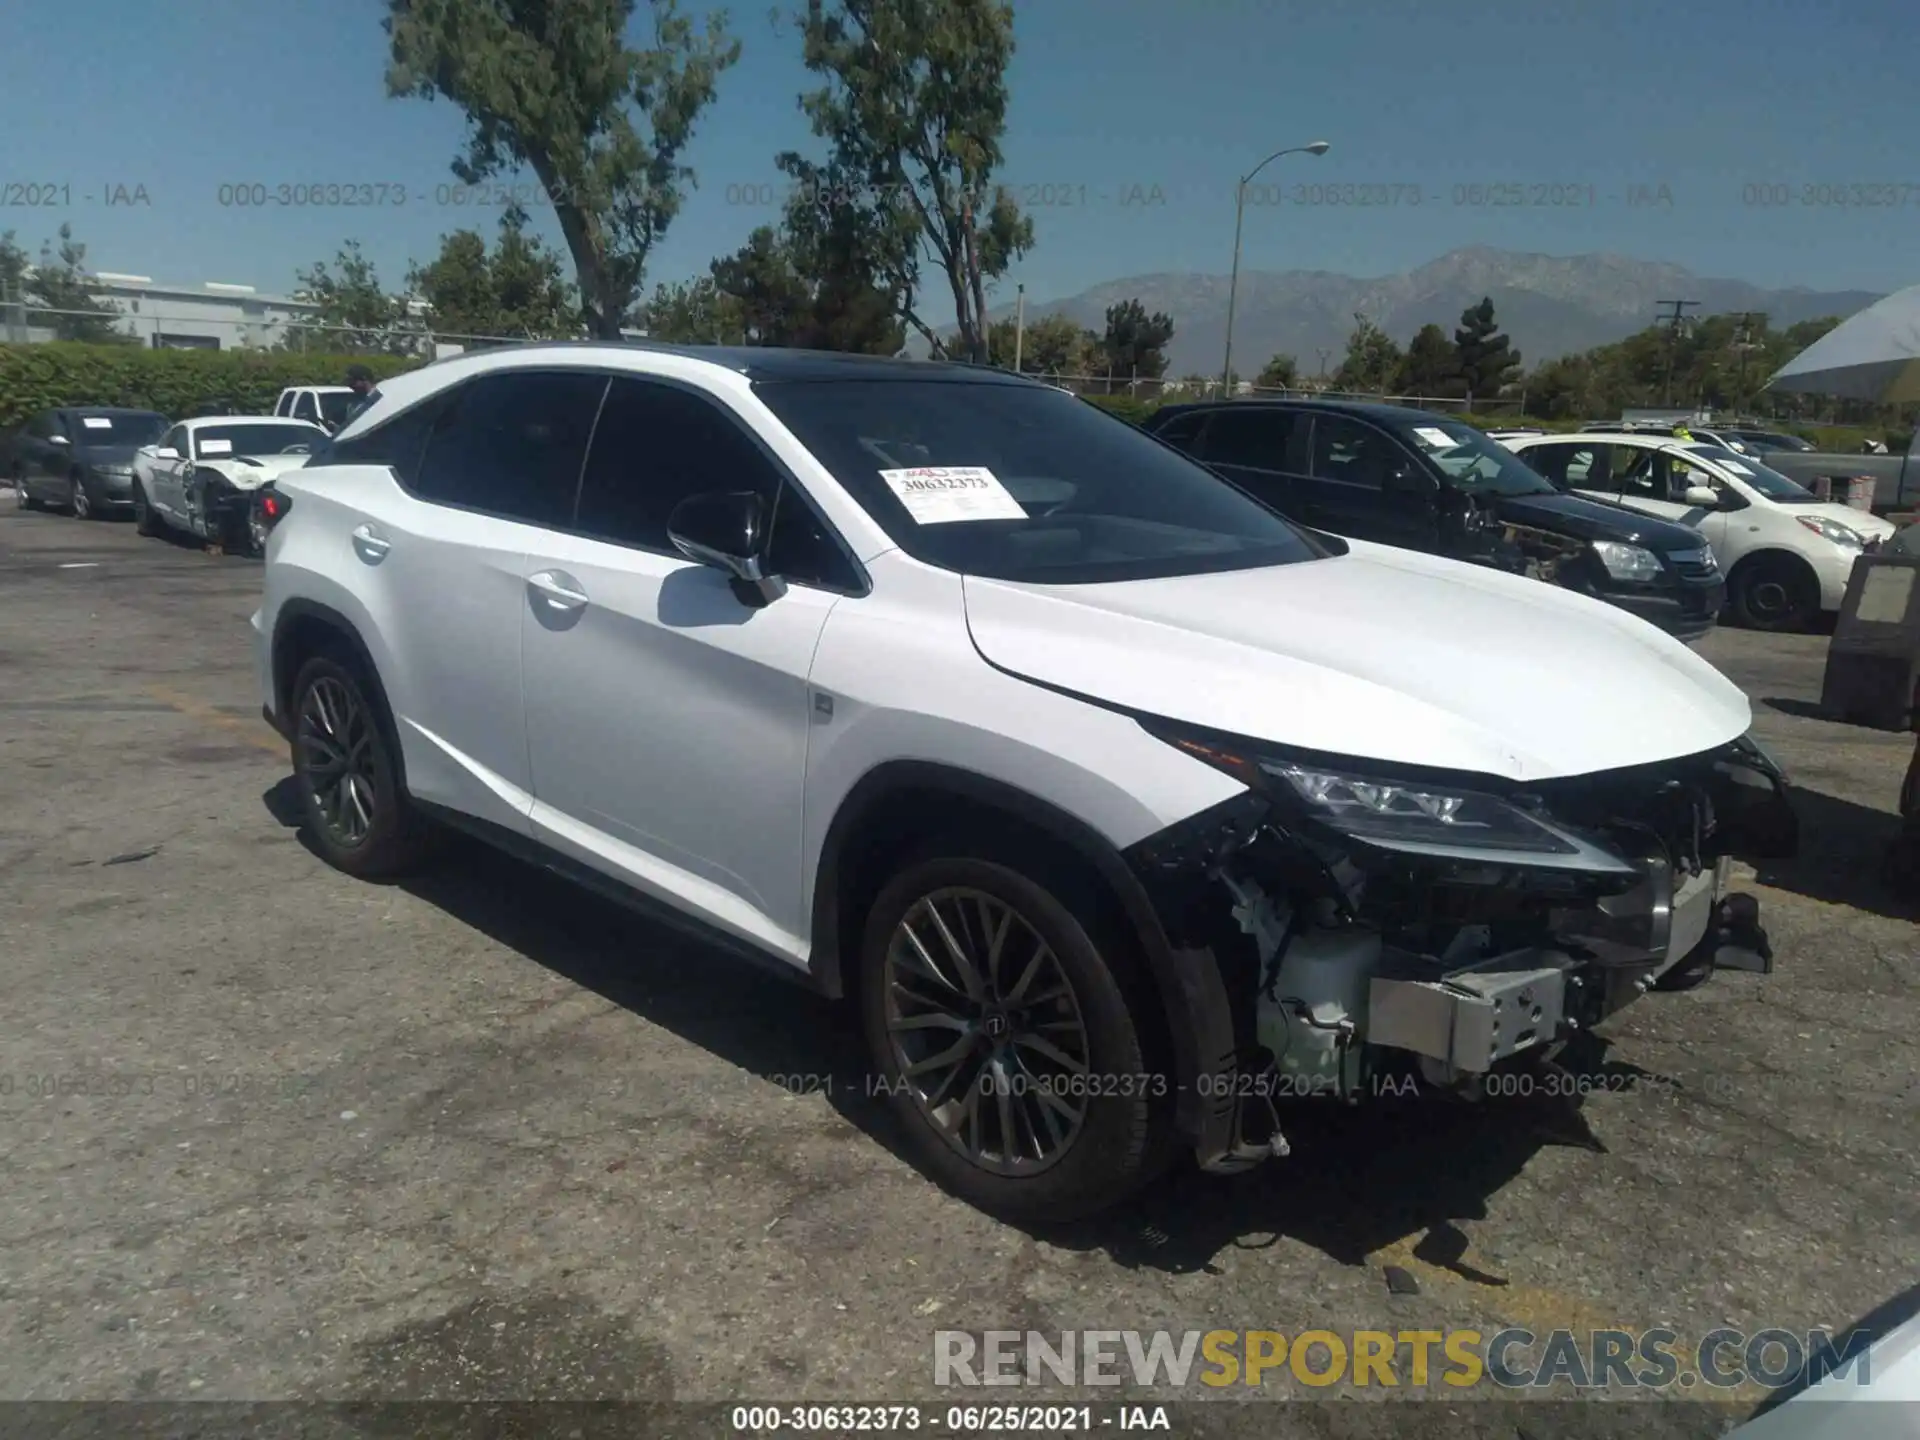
1441,819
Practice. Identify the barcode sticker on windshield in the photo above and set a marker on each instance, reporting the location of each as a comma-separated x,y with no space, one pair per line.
216,447
937,494
1439,439
96,422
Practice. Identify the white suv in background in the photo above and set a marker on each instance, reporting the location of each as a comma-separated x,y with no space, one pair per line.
1787,554
1121,805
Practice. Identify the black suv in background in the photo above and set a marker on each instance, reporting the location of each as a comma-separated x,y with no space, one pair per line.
1428,482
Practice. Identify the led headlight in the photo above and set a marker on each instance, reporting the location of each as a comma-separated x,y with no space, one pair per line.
1841,535
1435,818
1627,562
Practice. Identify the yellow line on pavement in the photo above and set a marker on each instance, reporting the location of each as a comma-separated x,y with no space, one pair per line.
253,733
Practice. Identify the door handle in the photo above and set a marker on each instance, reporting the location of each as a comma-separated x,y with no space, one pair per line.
560,591
370,545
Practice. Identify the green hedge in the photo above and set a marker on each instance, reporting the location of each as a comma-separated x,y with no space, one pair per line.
174,382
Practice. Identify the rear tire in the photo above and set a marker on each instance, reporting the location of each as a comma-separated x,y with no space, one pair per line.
21,499
1775,593
344,764
1031,1096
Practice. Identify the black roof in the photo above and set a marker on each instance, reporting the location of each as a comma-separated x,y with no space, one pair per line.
772,362
1372,408
106,410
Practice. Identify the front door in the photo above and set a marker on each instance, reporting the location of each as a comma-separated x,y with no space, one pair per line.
1351,463
167,493
668,720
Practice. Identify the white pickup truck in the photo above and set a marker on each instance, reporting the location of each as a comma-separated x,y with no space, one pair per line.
324,405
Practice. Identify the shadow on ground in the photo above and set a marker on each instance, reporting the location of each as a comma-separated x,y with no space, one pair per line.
1393,1170
1842,857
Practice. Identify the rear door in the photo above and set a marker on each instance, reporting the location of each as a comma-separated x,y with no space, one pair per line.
1262,449
440,561
1351,462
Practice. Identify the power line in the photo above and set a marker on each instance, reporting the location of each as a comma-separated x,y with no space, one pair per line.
1674,322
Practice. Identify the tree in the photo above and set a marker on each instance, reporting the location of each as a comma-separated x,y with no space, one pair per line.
1050,345
61,284
773,303
1135,344
551,85
516,292
855,300
355,314
1431,366
913,109
1372,361
1282,372
1485,358
693,312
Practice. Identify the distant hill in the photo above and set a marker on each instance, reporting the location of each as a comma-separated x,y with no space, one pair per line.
1550,305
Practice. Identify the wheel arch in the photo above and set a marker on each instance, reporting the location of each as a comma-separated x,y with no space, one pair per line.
305,628
1772,554
891,804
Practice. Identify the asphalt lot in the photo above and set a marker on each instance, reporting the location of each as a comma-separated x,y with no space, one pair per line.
267,1132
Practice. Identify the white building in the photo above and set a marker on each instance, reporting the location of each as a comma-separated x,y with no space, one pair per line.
210,316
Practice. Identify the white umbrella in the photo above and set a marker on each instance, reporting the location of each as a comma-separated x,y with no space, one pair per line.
1874,356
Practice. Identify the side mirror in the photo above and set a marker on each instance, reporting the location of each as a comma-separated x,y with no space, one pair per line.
165,452
727,532
1702,495
59,439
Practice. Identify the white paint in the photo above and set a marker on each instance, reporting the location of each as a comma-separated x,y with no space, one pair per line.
80,565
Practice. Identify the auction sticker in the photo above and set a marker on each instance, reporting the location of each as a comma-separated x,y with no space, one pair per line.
1435,437
937,494
216,447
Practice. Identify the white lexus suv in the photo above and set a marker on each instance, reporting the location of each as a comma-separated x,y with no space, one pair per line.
1123,807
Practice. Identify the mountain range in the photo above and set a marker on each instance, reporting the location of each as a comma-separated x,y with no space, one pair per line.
1550,305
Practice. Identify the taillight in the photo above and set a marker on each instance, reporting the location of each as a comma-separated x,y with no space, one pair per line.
273,507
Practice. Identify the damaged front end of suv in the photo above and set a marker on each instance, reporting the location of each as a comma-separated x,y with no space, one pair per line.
1377,926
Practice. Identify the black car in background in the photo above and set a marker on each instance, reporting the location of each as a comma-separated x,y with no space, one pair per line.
1422,481
81,458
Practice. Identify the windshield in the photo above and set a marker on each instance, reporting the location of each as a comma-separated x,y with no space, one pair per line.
118,427
263,437
1475,463
335,404
1755,476
1018,482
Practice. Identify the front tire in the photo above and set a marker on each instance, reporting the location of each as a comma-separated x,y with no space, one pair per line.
1002,1037
145,522
22,500
81,503
357,813
1776,593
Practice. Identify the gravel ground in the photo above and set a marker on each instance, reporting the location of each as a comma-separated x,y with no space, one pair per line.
271,1134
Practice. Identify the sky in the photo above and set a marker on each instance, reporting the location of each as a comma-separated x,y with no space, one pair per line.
1765,140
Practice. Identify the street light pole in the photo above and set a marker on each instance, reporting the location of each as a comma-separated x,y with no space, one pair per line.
1318,147
1019,327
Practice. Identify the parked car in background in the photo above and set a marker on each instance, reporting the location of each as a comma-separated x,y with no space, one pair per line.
324,405
1106,790
1428,482
1761,442
1786,554
81,458
200,476
1503,436
1896,479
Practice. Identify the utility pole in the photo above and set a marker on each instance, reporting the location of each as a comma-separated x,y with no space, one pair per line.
1019,324
1674,322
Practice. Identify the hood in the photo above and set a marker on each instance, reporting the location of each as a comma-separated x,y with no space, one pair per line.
1586,519
250,472
1383,653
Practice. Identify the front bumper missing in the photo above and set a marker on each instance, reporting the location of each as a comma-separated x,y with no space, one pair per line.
1474,1018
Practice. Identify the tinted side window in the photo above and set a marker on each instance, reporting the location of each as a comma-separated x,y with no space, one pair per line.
41,426
1351,453
1183,430
657,444
512,444
397,443
175,440
1254,436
